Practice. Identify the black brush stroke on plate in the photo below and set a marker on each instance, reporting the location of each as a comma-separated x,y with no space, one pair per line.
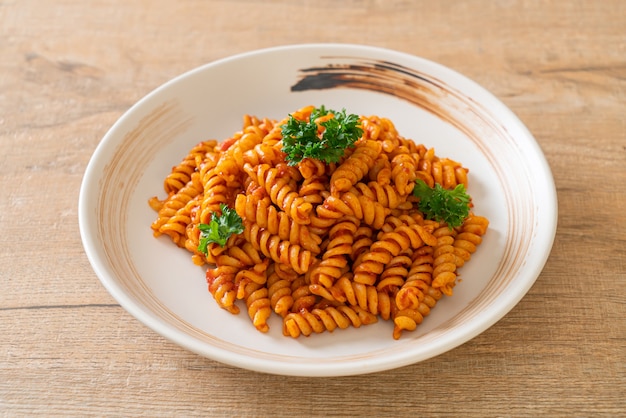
354,75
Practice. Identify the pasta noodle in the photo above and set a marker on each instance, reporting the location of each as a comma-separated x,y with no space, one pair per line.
324,246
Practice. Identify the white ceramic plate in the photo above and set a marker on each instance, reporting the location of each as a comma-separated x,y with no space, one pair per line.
510,182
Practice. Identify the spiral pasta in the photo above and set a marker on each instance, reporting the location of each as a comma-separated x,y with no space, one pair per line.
325,246
355,167
327,319
279,280
182,173
251,287
174,213
334,261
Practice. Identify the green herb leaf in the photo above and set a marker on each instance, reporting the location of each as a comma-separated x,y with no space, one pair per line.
220,228
442,205
301,139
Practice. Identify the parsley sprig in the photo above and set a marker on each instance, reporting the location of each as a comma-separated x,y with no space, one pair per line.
301,139
443,205
220,228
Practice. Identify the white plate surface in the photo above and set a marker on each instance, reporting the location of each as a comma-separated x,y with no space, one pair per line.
510,182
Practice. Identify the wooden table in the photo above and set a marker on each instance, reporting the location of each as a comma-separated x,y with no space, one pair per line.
69,69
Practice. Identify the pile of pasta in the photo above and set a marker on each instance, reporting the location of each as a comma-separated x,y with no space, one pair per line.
325,245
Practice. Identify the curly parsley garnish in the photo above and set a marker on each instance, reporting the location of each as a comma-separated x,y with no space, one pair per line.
220,228
301,139
442,205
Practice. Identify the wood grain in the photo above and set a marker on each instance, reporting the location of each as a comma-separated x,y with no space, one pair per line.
69,69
